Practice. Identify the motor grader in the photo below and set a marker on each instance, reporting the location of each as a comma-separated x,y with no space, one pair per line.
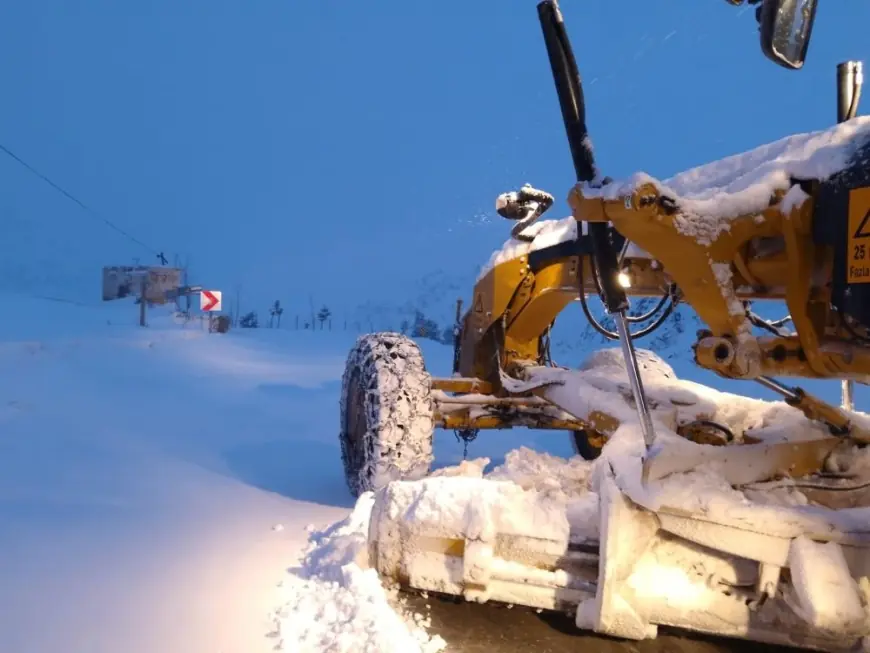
786,223
634,241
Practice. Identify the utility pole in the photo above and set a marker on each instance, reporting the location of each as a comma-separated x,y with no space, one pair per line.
457,331
144,289
186,277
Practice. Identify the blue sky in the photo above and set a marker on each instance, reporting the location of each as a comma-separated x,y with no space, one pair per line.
344,149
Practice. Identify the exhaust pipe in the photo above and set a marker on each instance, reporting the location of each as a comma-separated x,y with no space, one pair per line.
850,80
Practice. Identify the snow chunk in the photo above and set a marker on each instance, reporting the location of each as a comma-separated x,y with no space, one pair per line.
724,276
336,604
794,198
467,468
535,470
647,360
825,594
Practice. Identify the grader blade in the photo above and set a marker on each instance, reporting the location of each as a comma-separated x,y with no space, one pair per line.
787,575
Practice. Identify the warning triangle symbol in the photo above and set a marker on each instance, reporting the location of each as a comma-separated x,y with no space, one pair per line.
478,304
863,230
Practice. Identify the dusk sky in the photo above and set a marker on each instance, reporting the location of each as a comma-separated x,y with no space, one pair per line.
345,149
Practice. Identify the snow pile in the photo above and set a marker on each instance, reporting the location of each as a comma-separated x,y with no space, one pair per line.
548,484
468,507
531,492
532,470
336,604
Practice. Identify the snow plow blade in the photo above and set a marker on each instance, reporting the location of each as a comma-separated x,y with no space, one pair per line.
795,576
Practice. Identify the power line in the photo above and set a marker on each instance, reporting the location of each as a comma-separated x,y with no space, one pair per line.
70,196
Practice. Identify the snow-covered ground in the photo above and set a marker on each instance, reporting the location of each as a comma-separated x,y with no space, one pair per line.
156,484
159,487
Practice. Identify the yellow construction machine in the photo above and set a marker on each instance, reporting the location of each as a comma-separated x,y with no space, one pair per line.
711,551
641,240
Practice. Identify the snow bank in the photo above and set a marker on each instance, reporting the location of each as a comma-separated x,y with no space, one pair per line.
336,604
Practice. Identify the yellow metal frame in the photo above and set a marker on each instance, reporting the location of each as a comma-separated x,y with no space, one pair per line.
766,255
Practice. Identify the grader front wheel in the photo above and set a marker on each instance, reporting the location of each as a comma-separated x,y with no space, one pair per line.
386,413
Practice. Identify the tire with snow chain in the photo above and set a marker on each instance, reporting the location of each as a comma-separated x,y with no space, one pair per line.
386,413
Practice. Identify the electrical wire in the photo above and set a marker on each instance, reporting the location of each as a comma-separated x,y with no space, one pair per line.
631,319
73,198
544,350
768,325
670,293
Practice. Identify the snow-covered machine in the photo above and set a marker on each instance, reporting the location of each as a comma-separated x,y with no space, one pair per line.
689,507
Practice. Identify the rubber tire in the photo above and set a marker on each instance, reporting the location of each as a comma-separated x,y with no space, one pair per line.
386,413
582,446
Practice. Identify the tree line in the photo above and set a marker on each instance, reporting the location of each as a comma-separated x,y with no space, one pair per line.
420,326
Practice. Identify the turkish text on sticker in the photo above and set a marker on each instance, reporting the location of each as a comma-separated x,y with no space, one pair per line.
858,246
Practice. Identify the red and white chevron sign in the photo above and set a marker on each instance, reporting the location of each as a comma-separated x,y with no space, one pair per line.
210,300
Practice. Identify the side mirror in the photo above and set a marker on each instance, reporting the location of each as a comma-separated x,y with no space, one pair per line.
786,27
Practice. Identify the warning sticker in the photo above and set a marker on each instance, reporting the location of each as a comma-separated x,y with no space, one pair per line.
858,253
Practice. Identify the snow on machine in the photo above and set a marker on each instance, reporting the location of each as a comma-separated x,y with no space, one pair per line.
689,508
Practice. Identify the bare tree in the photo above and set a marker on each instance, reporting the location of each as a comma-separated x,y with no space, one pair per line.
323,315
275,314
